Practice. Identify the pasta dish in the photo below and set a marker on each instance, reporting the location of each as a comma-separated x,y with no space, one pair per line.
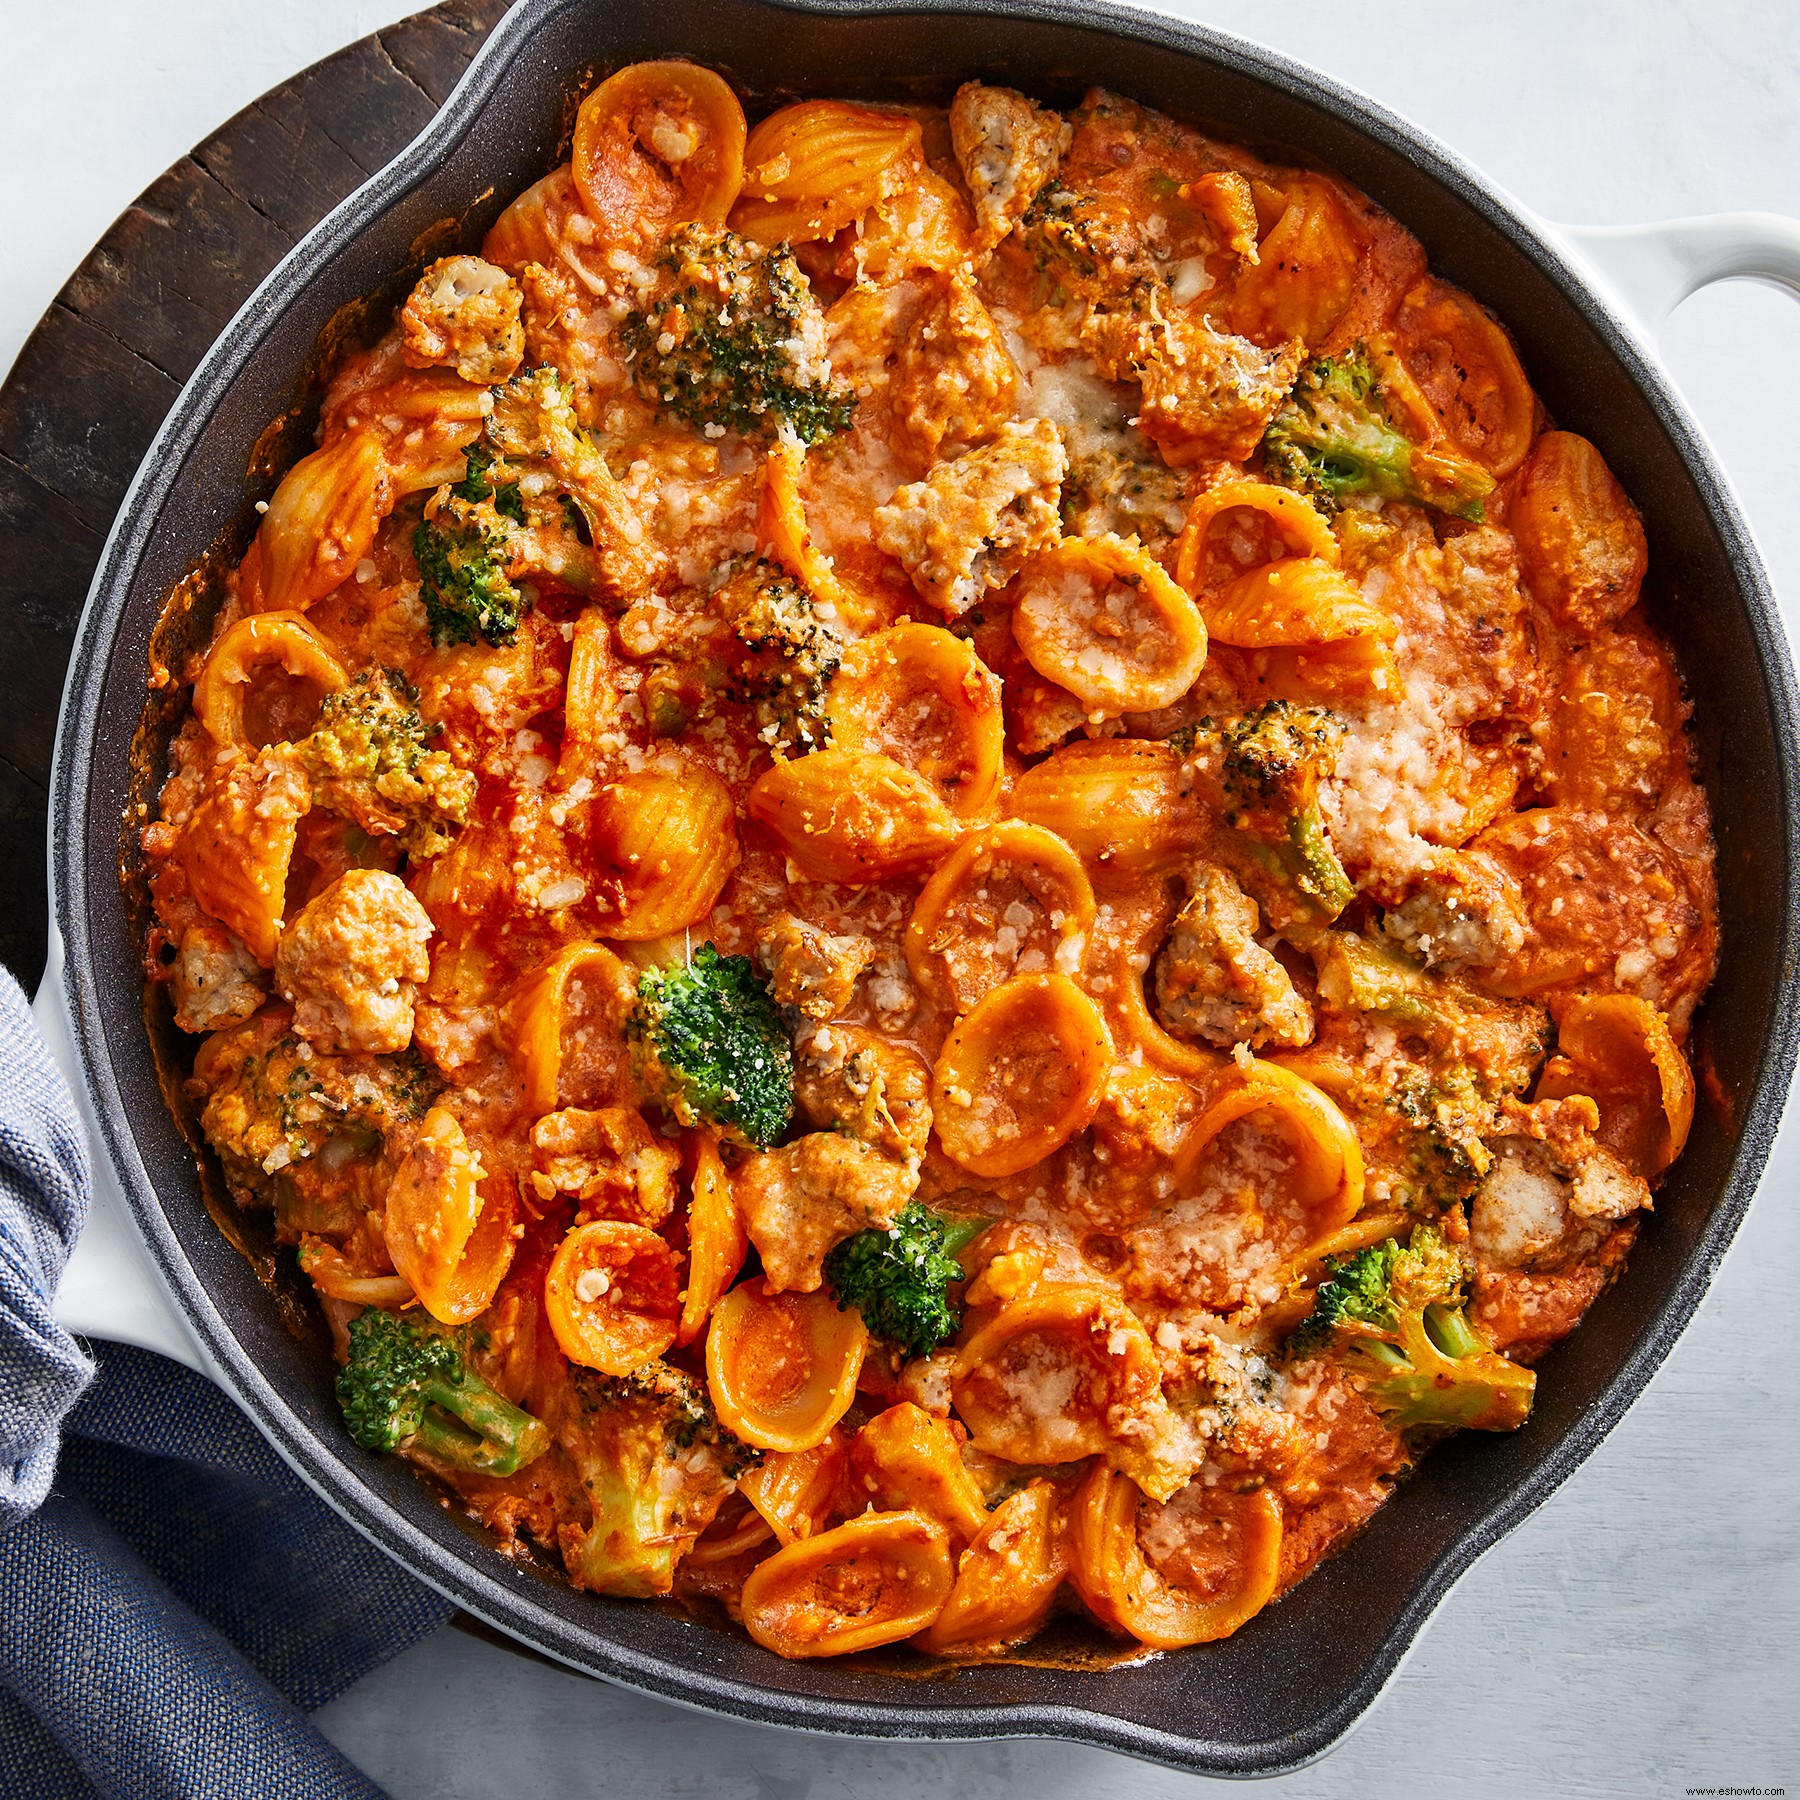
936,868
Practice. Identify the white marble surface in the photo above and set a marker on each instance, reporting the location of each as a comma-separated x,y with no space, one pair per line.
1641,1634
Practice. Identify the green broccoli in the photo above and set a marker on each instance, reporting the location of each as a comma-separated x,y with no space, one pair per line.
369,760
788,655
655,1463
1370,975
464,549
1333,438
1440,1121
1274,760
1394,1316
708,1041
480,483
736,342
899,1280
408,1386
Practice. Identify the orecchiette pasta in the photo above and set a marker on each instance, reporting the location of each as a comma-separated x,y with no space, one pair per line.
924,698
853,815
872,1581
813,168
1010,899
1100,617
1019,1075
259,646
782,1367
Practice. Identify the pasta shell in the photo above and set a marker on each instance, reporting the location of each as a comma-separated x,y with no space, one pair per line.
1307,269
321,521
1295,517
815,167
257,644
921,695
1618,1050
1326,1179
717,1244
657,145
797,1491
665,843
1011,898
853,816
1467,369
445,1241
872,1581
1007,1579
782,1368
1019,1075
906,1457
1221,1567
1117,802
1299,600
1101,618
1066,1371
611,1296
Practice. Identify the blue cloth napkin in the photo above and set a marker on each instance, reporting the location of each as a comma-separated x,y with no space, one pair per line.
173,1600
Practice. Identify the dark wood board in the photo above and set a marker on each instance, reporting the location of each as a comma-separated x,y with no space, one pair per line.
128,329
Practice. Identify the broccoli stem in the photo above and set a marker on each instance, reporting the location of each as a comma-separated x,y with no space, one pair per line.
486,1433
959,1234
1322,874
1448,1328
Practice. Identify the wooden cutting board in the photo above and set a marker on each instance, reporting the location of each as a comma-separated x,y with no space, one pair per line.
123,336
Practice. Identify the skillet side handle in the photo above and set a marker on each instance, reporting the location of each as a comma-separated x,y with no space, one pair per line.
110,1289
1648,270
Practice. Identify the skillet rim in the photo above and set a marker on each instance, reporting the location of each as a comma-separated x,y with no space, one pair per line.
464,1576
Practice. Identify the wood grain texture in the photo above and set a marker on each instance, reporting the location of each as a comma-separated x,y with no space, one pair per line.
99,374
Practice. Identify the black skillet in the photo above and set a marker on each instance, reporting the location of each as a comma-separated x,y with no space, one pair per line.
1294,1680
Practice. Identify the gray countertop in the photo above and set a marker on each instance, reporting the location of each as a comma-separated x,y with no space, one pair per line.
1640,1635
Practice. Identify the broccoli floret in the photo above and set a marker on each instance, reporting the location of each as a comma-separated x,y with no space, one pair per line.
1442,1119
479,483
1370,975
788,655
1274,760
1394,1316
408,1386
655,1463
369,760
570,523
709,1043
899,1280
1333,439
463,550
736,342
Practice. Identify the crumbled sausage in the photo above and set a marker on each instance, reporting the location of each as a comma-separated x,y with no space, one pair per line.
609,1159
802,1200
851,1080
464,313
811,970
1215,981
1464,914
1206,393
1007,148
216,981
955,384
348,963
971,523
1551,1185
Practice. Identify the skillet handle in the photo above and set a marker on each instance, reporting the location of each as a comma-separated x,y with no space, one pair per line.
110,1289
1648,270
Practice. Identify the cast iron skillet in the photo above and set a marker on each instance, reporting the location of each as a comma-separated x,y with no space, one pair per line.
1295,1679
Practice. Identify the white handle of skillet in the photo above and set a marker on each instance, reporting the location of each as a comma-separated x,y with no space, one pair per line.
1648,270
111,1289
